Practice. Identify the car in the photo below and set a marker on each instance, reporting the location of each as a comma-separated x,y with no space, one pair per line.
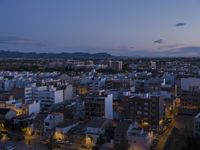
66,142
60,142
44,141
10,148
69,144
153,145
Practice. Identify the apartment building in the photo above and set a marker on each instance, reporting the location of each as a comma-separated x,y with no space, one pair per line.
147,110
118,83
47,96
99,106
115,65
190,96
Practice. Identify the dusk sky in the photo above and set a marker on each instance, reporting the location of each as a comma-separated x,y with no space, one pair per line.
118,27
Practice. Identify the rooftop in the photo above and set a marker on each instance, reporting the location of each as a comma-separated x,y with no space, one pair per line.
4,111
96,122
65,124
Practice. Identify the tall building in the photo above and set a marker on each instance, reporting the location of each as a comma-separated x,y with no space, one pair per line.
145,109
190,96
94,84
115,65
99,106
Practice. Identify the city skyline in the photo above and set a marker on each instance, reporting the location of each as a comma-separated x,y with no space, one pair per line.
131,28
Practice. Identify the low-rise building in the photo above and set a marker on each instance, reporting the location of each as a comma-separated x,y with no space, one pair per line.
95,128
138,138
7,114
62,129
51,121
38,123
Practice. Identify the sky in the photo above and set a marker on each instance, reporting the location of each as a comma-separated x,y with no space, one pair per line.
118,27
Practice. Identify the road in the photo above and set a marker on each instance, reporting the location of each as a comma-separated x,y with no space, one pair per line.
29,143
164,137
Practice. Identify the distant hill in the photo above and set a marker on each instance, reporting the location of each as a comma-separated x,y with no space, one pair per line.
31,55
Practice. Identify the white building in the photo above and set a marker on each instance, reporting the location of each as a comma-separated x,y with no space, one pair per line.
153,64
109,107
28,94
68,92
47,96
33,107
51,121
22,109
197,124
6,85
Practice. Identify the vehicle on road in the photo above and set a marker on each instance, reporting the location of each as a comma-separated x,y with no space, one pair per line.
60,142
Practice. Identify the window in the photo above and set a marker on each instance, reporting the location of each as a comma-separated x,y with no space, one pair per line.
46,123
139,112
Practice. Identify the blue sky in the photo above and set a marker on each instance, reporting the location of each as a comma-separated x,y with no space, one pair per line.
119,27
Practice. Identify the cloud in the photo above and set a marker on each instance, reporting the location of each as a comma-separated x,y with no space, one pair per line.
180,24
131,47
14,40
160,41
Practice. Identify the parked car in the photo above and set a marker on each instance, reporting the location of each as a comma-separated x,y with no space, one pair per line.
44,141
60,142
10,148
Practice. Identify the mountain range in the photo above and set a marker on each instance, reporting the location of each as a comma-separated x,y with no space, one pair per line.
30,55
